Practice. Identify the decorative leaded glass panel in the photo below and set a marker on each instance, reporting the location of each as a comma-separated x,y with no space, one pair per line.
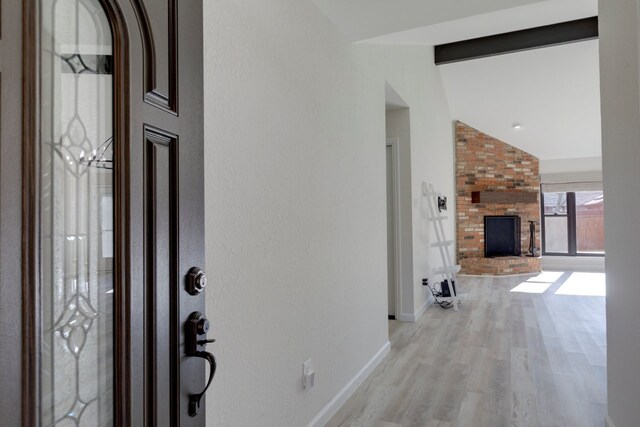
76,214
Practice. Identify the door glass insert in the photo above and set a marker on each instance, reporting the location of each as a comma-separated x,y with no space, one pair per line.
76,214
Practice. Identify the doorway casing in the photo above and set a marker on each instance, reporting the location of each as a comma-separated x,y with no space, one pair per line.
393,246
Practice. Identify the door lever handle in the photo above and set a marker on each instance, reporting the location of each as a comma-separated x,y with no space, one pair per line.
194,399
196,340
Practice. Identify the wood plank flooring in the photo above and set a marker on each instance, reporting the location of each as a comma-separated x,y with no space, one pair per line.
505,359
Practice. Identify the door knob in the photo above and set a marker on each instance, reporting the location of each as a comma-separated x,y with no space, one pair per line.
196,281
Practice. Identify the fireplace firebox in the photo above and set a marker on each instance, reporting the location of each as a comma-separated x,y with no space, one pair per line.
501,236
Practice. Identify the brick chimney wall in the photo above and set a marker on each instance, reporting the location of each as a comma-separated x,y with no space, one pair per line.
484,163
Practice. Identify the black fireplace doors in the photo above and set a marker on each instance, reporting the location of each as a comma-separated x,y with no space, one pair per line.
501,236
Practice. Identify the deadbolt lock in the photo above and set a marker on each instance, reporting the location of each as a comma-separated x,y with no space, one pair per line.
196,281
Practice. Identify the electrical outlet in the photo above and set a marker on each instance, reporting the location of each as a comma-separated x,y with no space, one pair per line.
308,375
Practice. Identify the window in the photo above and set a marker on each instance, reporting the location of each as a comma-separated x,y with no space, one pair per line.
573,223
590,222
556,223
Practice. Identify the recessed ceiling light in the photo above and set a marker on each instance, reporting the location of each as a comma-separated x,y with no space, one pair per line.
517,126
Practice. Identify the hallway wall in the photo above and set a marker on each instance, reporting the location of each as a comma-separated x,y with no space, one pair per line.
619,23
295,202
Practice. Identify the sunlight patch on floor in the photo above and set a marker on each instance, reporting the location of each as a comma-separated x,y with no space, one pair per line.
538,284
579,284
532,287
584,284
547,277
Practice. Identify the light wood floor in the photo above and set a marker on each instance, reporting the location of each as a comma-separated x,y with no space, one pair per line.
506,359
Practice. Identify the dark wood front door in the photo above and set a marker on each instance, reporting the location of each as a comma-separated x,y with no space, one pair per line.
102,225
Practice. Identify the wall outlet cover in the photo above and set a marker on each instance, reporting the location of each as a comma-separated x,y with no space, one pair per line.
308,376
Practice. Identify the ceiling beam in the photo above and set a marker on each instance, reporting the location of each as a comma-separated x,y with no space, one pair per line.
517,41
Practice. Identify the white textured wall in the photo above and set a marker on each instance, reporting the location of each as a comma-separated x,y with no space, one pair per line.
295,201
411,73
578,165
619,75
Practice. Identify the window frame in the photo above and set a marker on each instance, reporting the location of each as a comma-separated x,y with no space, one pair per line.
571,227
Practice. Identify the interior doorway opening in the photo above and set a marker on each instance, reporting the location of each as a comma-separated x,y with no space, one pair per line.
398,201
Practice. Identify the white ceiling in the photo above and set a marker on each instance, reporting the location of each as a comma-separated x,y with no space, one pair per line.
497,22
363,19
553,92
442,21
393,101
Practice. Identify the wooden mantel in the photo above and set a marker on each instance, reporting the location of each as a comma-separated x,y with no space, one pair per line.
504,197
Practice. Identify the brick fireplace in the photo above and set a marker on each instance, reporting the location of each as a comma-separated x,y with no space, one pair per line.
494,179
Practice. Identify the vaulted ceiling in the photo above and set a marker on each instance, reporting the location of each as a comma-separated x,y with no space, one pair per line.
552,92
438,21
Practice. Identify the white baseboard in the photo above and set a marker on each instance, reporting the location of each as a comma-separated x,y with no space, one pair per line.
406,318
609,422
413,318
345,393
568,263
422,309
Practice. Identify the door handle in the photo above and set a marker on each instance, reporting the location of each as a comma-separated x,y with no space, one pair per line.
196,340
194,399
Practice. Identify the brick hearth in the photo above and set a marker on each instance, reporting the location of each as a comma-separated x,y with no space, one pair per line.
484,163
500,266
